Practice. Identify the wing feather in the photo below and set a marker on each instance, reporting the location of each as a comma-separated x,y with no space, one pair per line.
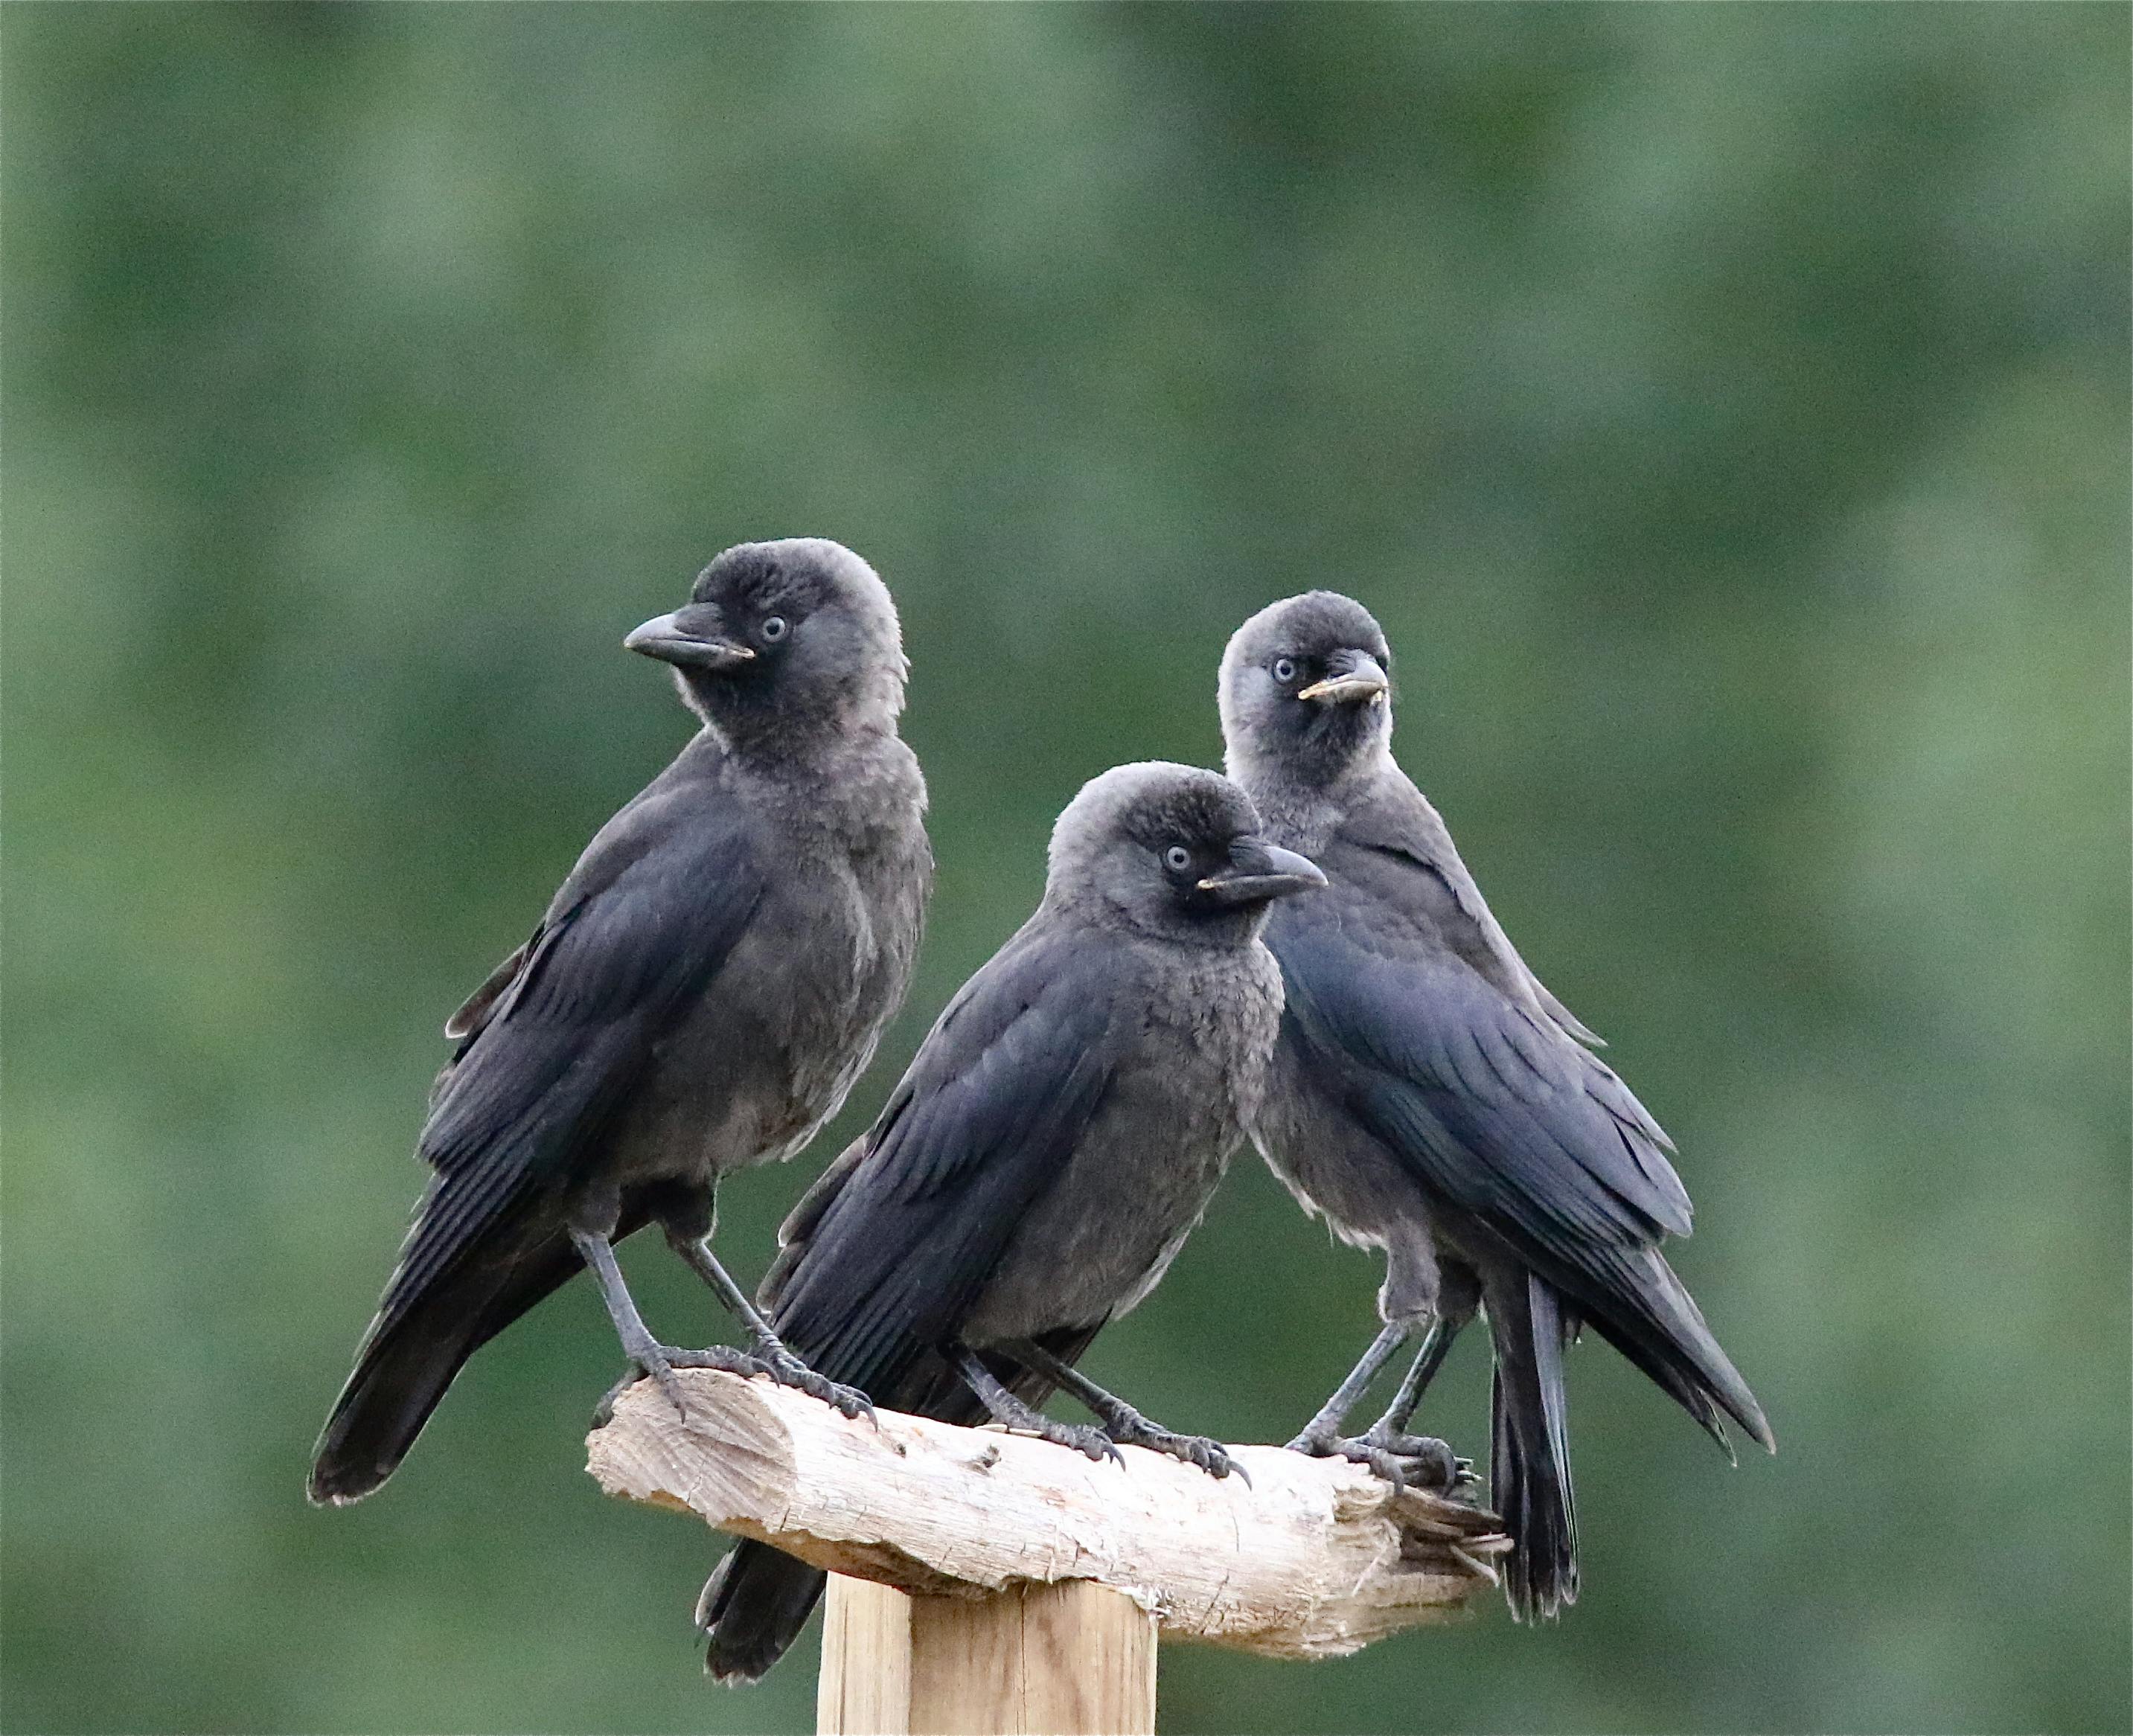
551,1052
1503,1115
888,1252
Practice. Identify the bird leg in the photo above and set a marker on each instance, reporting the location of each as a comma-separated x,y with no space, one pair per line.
1435,1346
1323,1430
1388,1433
646,1352
769,1355
1011,1413
1386,1449
1121,1421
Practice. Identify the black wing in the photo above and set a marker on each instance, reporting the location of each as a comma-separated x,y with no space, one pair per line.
645,922
478,1008
889,1250
1399,822
1495,1110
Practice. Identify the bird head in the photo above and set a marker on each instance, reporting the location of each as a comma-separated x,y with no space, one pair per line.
1306,689
781,640
1174,851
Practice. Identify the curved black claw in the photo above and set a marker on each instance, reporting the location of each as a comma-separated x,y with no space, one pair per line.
1087,1439
1211,1456
787,1370
1381,1463
1402,1459
1426,1459
1398,1459
1083,1438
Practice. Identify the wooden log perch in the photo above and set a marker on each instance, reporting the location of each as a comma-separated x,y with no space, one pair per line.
1316,1558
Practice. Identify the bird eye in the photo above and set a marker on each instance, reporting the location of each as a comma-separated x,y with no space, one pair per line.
1284,670
773,629
1177,858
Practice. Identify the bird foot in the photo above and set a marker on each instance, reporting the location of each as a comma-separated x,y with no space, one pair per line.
1424,1459
1127,1427
787,1370
1402,1460
658,1362
1211,1456
1083,1438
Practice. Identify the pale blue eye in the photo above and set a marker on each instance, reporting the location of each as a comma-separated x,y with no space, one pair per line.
1284,670
773,629
1177,858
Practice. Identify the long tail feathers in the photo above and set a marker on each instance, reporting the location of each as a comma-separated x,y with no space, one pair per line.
411,1356
1663,1332
1529,1458
753,1608
1653,1321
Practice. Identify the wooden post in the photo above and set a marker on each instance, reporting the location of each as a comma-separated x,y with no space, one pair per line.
991,1582
1074,1659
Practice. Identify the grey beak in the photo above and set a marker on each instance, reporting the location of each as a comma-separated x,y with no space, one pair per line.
1356,678
1260,871
688,638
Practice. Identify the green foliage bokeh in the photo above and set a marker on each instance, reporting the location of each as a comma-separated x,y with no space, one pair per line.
1725,409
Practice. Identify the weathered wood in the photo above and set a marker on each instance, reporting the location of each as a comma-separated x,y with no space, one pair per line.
864,1686
1086,1664
1074,1659
1316,1558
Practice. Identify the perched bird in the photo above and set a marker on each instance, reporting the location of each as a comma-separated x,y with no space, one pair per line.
1431,1098
699,996
1057,1137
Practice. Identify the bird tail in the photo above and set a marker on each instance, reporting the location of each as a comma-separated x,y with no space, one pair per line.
1654,1322
759,1598
1529,1458
753,1608
409,1356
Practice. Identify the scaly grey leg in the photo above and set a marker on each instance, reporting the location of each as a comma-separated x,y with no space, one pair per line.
770,1356
1007,1410
1121,1421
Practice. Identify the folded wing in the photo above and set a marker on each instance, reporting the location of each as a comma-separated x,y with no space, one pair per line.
1498,1113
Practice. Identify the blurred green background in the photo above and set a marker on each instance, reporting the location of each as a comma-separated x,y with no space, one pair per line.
1725,410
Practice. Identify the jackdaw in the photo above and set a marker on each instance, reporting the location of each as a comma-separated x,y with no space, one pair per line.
1057,1137
699,996
1431,1098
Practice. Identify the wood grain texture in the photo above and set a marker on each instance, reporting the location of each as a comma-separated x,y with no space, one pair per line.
1087,1661
1075,1659
1316,1558
864,1686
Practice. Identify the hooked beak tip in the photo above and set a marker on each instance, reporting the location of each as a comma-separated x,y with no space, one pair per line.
1362,681
665,638
1265,873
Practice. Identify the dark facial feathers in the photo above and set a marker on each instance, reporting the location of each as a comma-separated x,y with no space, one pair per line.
1305,690
784,643
1172,851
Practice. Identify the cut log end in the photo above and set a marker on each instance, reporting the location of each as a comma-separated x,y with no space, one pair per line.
1315,1558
